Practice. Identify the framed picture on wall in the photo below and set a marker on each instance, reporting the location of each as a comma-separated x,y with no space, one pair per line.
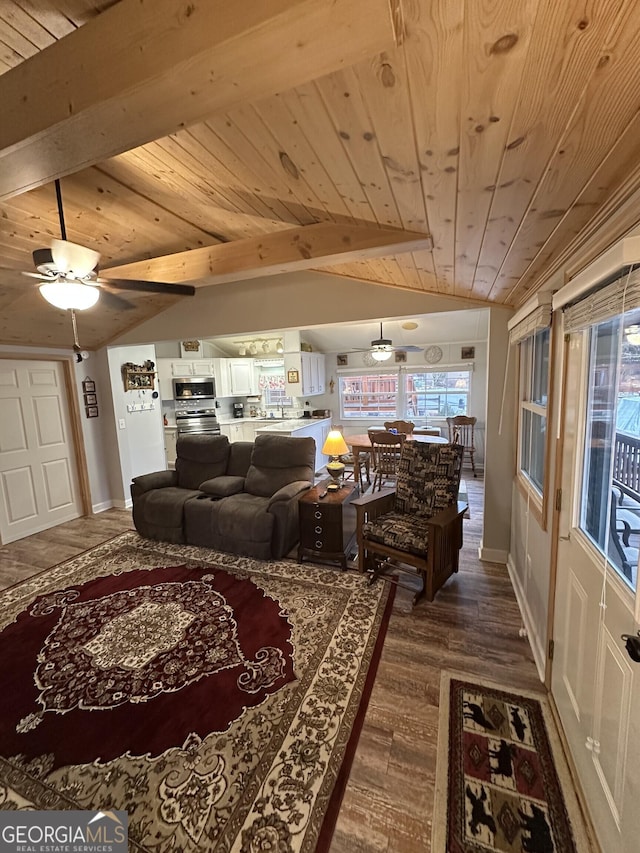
293,376
90,400
92,411
342,360
88,386
468,352
400,356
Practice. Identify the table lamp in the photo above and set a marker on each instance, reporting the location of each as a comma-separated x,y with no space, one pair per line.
334,447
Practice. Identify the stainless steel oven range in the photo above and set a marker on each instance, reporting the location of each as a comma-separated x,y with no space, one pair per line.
197,416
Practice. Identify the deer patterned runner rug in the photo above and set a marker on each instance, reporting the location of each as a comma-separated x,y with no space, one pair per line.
498,783
216,699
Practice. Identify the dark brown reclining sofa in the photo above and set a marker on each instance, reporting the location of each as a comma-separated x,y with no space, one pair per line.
240,497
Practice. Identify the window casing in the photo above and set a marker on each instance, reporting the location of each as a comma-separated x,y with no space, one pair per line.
534,396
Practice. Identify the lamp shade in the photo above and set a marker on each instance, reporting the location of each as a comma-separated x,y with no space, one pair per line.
70,294
334,444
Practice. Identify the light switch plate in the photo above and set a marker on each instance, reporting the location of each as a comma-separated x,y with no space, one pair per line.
122,423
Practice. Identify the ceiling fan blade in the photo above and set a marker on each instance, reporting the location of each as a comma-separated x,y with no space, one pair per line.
71,257
38,275
410,348
148,286
112,300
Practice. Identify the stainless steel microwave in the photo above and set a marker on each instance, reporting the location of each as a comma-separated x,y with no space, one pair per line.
194,386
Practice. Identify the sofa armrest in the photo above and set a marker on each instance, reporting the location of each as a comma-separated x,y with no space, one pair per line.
222,486
289,491
156,480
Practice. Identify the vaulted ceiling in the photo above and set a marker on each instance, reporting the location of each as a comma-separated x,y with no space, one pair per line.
499,135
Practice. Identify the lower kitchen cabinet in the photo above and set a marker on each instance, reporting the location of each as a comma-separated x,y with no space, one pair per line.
327,524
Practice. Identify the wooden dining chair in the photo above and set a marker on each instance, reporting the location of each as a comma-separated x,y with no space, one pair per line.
406,427
385,455
461,431
349,461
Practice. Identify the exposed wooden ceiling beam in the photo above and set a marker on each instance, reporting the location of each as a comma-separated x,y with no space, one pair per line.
303,248
142,70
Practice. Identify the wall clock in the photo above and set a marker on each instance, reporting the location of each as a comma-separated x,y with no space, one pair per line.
432,354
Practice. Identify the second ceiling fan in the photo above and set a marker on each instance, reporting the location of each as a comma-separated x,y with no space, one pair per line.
382,348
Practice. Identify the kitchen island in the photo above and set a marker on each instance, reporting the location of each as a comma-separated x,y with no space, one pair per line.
317,428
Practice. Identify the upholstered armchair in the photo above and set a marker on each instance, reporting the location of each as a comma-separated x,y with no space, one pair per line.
417,528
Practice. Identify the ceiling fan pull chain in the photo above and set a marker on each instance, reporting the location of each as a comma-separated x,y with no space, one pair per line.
76,345
63,230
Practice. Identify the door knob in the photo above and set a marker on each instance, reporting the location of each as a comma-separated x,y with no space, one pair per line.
632,645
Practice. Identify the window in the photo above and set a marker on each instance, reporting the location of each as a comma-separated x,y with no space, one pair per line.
370,396
534,385
436,394
272,386
610,502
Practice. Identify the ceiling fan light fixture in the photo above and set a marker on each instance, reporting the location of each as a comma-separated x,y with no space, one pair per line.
381,353
69,294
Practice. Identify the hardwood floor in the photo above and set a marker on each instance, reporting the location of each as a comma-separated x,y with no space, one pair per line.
472,626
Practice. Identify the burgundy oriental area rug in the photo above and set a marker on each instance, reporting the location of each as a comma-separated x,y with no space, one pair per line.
501,784
217,699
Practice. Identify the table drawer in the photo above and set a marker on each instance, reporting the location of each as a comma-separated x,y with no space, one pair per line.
321,534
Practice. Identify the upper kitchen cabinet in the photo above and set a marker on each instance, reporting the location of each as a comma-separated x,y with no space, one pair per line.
235,377
312,365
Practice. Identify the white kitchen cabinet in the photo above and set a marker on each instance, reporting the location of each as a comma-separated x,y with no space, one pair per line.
312,368
235,377
234,431
243,377
165,378
222,377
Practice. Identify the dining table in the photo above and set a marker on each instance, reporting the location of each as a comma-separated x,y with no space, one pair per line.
361,443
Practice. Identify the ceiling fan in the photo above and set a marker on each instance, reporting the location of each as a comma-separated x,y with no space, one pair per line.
382,349
69,276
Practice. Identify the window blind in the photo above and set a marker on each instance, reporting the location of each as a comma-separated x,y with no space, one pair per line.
534,316
616,297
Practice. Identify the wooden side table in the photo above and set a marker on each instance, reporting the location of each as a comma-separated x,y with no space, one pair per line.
328,524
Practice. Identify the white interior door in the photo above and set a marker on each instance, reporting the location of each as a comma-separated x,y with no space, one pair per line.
595,684
38,473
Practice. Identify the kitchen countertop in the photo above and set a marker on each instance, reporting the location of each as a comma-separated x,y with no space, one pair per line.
289,426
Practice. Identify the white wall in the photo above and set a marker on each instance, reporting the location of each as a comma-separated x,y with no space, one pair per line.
141,441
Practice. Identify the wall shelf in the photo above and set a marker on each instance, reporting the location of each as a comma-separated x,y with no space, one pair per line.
138,380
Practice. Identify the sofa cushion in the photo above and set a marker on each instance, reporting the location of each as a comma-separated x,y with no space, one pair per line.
222,487
244,517
398,530
165,507
239,458
278,460
200,457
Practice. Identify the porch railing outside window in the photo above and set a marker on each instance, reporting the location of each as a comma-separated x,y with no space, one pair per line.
372,396
436,394
610,496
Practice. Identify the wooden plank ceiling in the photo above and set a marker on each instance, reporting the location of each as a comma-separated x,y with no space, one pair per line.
508,130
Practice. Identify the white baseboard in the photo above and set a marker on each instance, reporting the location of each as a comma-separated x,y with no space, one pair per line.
101,507
123,504
492,555
533,635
